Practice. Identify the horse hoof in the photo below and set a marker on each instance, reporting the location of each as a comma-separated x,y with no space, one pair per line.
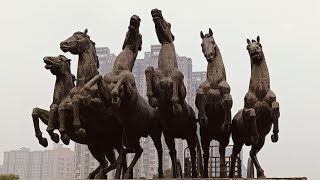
260,174
55,138
153,102
82,132
43,142
65,139
274,138
225,127
177,109
101,176
203,121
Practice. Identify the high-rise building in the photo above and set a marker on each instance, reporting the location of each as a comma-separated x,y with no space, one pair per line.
63,163
106,60
84,162
40,165
197,78
1,169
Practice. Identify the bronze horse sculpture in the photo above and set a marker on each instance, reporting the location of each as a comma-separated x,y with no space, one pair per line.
60,67
135,115
261,110
92,118
166,90
214,103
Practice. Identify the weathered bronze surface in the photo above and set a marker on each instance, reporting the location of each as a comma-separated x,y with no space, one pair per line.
214,103
166,90
261,110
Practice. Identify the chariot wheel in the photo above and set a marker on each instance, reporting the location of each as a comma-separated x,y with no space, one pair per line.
250,168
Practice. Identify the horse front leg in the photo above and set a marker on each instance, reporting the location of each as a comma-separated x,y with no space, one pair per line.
42,114
275,114
201,103
115,92
177,81
76,115
62,129
205,147
149,72
50,128
226,104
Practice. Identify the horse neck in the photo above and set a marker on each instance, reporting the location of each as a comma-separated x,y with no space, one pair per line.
259,76
87,66
62,87
215,70
167,61
124,61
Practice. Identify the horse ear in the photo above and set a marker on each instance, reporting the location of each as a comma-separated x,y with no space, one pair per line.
201,35
210,32
258,38
172,37
248,41
85,31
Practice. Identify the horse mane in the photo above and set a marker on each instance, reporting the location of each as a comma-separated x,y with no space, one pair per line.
95,51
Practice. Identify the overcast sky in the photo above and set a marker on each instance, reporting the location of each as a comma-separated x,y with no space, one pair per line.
289,32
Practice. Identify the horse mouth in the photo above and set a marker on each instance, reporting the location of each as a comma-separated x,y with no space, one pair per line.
48,63
134,22
156,15
64,48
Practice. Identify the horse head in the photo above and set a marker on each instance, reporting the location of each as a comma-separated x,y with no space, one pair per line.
78,43
133,37
59,65
163,28
254,48
209,46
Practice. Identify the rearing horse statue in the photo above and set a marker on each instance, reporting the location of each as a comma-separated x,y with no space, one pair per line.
261,110
135,115
214,103
166,90
80,43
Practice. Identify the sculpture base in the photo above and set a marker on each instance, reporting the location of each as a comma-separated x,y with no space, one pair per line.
293,178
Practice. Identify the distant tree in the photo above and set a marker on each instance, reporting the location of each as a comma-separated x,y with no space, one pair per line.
166,174
142,178
9,177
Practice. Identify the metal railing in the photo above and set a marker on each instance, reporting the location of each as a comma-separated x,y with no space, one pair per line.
213,164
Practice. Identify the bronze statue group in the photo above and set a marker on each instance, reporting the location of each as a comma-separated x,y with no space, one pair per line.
107,113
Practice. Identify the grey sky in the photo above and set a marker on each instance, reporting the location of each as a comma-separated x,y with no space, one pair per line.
289,32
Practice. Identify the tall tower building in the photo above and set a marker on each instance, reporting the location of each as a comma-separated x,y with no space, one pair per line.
63,163
106,60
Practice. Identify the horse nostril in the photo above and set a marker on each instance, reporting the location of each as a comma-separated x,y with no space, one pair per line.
64,43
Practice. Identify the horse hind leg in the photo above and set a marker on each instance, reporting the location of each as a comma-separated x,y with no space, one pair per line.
235,152
173,154
50,128
138,151
158,145
205,147
222,152
42,114
102,162
253,154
